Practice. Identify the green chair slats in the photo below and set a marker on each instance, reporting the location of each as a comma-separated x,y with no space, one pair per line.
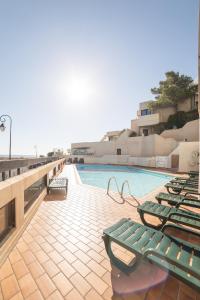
166,213
180,258
177,200
185,181
193,173
177,188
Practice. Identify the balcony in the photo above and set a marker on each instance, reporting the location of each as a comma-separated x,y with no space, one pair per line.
148,120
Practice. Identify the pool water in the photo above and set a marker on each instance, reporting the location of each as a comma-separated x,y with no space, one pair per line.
141,181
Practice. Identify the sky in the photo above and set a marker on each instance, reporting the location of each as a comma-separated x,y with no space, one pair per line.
72,70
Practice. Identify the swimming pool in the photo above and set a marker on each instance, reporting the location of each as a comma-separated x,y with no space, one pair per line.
141,181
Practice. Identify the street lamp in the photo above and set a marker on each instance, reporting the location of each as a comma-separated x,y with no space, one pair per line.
3,127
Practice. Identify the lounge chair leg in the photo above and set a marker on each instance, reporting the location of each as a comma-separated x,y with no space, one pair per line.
116,261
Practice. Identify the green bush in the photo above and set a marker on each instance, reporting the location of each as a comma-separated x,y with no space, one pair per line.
180,118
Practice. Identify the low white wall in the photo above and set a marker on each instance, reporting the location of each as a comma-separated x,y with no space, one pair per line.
140,146
188,156
154,161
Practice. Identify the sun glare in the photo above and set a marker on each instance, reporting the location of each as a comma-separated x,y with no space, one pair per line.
77,88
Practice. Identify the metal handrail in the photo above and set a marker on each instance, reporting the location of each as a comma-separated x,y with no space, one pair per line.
108,186
122,189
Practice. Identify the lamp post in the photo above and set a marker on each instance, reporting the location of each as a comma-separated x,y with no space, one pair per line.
3,127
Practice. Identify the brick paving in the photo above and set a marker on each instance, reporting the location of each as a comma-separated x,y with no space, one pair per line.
61,254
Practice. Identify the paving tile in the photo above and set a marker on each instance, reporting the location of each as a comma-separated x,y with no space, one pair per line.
27,237
58,246
35,296
39,239
17,296
106,264
5,270
1,295
82,256
55,256
46,285
97,268
51,268
36,269
80,283
55,296
70,257
61,239
71,247
41,256
14,256
95,255
107,295
81,268
34,247
62,283
74,295
50,239
107,278
22,247
82,246
97,283
28,257
20,269
27,285
9,287
46,247
93,295
66,268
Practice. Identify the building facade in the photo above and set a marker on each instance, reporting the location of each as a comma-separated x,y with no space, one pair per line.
152,121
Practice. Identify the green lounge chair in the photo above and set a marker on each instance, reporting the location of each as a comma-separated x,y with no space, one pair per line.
186,182
193,173
187,178
175,255
178,200
167,213
177,188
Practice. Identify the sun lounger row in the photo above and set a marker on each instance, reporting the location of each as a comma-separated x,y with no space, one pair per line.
154,244
186,184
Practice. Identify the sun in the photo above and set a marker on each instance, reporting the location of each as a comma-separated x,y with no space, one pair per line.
77,88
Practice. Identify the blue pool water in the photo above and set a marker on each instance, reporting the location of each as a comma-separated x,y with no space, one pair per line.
141,181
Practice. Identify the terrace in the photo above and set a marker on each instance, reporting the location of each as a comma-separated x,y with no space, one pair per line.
61,254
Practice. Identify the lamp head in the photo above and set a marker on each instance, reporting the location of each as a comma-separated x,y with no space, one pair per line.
2,127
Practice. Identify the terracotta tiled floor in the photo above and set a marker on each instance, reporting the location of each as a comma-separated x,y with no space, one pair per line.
61,254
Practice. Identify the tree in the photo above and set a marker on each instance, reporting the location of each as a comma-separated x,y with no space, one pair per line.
173,89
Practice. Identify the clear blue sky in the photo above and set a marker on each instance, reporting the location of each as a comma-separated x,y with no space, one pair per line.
114,51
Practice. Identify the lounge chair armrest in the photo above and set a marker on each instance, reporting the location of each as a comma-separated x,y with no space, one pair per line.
167,260
180,228
181,215
192,193
181,202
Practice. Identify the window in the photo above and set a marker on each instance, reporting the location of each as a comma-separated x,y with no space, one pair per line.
145,112
7,219
119,151
33,192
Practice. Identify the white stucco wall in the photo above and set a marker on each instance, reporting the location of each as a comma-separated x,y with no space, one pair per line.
189,131
188,160
140,146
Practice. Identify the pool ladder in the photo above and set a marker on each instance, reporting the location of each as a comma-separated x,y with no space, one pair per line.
122,188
